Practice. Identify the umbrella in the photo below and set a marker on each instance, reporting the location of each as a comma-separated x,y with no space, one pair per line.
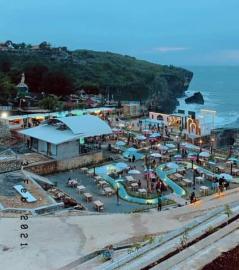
226,176
120,143
140,138
170,145
190,146
115,129
134,172
156,155
162,147
155,135
204,154
147,131
148,170
131,150
192,154
121,165
233,159
172,165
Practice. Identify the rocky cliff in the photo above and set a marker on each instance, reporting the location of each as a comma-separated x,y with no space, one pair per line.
59,71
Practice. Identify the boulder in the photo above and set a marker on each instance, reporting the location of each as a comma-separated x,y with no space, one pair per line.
195,98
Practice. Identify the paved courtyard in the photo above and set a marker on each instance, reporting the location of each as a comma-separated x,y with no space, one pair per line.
110,203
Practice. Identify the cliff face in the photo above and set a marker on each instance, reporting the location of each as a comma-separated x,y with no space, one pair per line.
121,76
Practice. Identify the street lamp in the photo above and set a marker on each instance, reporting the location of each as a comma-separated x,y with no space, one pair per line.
194,179
200,142
4,115
178,143
212,144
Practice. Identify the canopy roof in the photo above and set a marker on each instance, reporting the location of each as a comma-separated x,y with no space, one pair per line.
77,127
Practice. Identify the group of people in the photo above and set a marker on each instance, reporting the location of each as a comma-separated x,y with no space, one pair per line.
220,184
131,158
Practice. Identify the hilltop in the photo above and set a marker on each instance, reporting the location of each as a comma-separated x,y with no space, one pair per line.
61,72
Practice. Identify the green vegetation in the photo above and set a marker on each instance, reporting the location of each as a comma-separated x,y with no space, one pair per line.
51,103
227,211
61,72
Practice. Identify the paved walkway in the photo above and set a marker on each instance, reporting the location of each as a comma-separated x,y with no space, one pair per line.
177,199
205,251
55,241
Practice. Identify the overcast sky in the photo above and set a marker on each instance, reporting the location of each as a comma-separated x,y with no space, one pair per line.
179,32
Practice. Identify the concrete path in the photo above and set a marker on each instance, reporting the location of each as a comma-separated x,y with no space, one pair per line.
55,241
205,251
179,200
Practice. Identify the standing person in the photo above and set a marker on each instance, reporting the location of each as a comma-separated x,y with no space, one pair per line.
117,196
192,197
139,183
159,203
133,158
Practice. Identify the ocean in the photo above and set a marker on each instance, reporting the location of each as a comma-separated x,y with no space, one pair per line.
220,88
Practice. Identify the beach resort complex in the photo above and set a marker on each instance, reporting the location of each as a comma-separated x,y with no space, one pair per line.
119,135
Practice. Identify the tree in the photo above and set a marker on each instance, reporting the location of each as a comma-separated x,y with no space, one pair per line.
7,89
44,45
227,211
51,103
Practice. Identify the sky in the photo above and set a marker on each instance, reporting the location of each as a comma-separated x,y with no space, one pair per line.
177,32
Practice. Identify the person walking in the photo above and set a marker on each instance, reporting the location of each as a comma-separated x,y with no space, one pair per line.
117,196
159,203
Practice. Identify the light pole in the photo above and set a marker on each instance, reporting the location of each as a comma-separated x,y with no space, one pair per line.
194,179
212,144
178,143
200,142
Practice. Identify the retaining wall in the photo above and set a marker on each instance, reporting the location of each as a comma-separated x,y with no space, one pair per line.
10,165
52,166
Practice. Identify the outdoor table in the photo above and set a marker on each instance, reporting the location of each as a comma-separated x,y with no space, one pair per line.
90,172
84,169
209,176
204,189
142,191
108,191
97,177
187,181
130,179
173,177
199,179
178,176
98,205
88,197
200,171
235,172
72,183
80,188
221,168
102,183
181,170
134,186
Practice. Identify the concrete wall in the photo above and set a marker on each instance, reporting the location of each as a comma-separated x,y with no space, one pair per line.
42,147
67,150
53,166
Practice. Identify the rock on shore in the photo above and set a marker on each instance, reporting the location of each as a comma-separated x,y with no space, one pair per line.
195,98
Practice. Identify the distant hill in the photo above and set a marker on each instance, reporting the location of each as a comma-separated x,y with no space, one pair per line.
60,71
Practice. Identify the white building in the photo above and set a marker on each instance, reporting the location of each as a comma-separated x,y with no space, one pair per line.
62,138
